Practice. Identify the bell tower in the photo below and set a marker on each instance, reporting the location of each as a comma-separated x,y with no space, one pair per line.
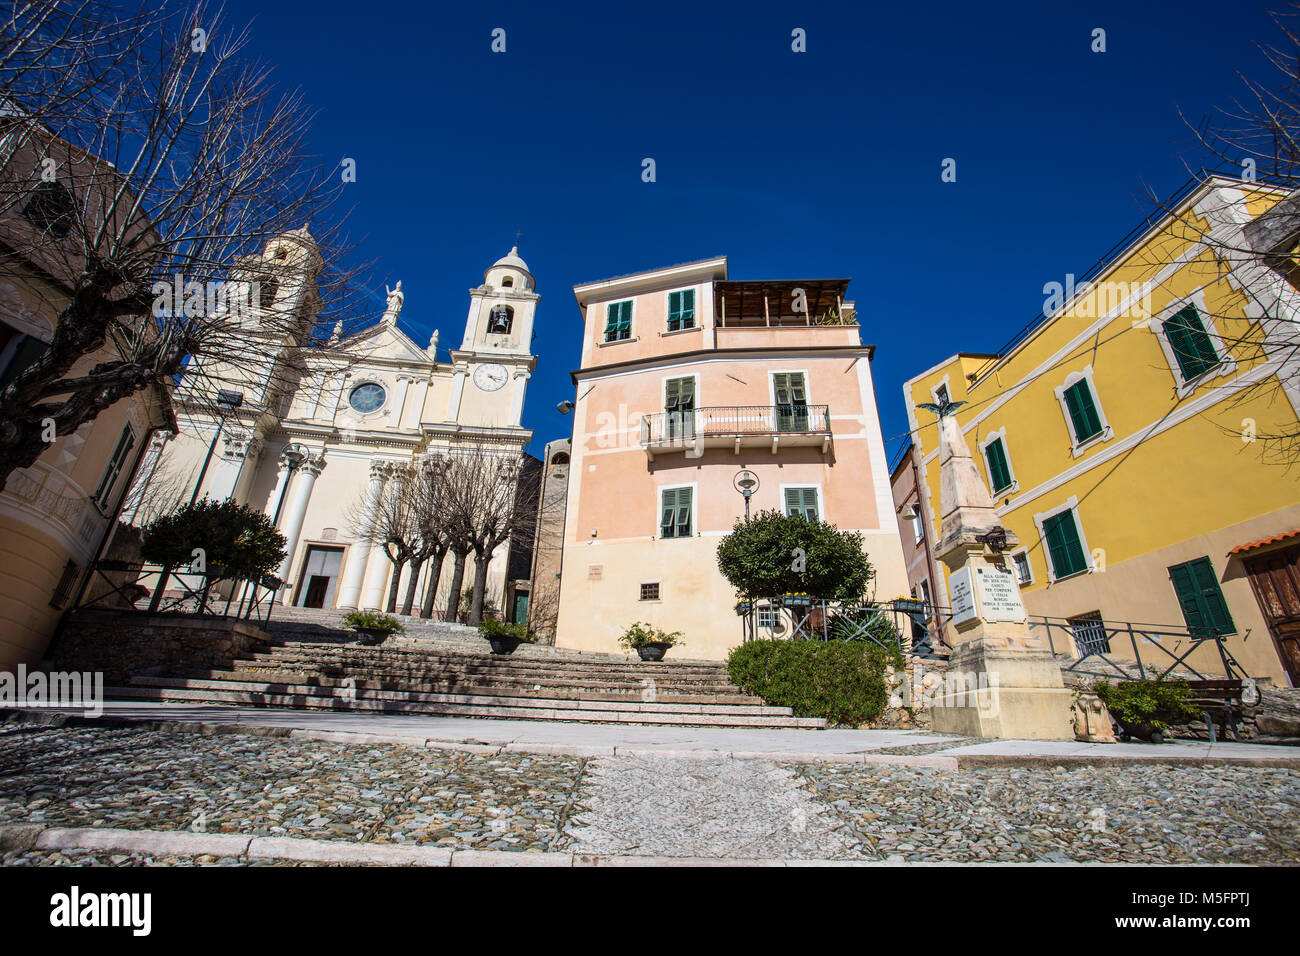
501,310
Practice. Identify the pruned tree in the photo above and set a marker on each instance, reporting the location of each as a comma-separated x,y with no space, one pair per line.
145,162
1255,317
484,496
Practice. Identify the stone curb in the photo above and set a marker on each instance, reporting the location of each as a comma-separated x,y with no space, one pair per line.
159,842
24,837
952,760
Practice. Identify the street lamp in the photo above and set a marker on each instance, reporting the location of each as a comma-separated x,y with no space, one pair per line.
746,482
228,401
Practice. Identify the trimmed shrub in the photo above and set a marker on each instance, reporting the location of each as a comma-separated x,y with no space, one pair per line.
374,620
640,634
841,681
490,627
1146,701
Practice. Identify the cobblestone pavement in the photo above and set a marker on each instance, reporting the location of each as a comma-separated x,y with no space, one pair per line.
232,783
647,805
1128,814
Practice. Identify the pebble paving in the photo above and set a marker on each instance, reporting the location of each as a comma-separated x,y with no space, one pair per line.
266,786
651,805
1129,814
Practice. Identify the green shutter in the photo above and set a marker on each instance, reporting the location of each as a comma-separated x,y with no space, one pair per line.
1083,411
681,310
1191,343
801,501
999,472
675,513
618,321
1200,597
679,395
668,508
124,446
1063,546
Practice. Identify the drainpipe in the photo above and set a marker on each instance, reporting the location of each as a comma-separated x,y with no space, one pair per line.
923,510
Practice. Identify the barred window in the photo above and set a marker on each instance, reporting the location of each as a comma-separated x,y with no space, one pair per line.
650,591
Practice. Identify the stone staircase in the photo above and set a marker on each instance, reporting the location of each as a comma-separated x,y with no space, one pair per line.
441,669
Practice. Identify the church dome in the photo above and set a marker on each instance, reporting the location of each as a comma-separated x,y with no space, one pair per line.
510,271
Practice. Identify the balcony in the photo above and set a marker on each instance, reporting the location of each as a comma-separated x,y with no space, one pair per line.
737,426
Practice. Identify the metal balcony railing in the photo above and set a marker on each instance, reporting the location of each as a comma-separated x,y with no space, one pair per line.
734,421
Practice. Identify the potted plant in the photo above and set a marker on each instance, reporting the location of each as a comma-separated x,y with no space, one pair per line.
648,641
371,626
1143,708
504,637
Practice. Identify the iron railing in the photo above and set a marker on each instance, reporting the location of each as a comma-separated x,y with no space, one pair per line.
144,587
1101,640
731,421
916,627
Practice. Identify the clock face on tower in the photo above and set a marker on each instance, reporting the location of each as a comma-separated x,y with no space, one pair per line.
490,377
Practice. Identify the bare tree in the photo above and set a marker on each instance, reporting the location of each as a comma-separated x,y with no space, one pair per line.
145,162
483,496
1257,138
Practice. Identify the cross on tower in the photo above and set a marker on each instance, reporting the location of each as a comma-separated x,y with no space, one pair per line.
517,235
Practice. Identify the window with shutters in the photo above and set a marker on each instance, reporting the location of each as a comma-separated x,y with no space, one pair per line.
790,396
1067,554
802,501
679,406
1024,571
675,518
1197,586
115,464
618,321
681,310
1083,413
999,465
1191,344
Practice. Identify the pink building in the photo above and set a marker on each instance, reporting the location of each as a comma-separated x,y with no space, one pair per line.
686,379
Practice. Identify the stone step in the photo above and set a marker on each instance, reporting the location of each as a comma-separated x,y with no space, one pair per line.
473,671
500,686
546,710
255,671
464,696
440,655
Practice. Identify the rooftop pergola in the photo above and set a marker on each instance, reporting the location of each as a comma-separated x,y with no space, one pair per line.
767,302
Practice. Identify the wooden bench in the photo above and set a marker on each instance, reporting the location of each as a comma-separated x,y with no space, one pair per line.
1222,698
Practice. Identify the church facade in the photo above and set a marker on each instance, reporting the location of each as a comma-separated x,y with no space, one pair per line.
318,435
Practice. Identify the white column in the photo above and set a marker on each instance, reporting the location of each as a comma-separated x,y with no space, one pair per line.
295,512
399,401
517,401
350,589
379,565
335,395
457,390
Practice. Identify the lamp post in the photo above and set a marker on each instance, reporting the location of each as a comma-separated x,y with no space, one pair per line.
228,401
746,482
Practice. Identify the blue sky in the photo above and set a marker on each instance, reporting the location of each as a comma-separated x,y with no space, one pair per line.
825,163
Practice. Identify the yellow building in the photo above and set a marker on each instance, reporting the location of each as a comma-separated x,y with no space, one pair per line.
1134,437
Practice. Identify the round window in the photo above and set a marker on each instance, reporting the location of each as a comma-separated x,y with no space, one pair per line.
367,398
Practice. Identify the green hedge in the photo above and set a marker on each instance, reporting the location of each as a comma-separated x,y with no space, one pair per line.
842,681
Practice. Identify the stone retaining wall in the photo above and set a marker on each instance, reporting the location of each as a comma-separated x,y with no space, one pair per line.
126,643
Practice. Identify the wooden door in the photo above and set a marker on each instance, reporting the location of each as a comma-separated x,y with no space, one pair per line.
1275,578
316,589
